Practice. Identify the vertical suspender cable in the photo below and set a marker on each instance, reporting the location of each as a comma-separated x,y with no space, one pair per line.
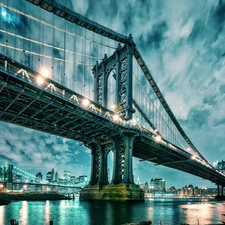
53,43
82,78
64,57
84,63
74,60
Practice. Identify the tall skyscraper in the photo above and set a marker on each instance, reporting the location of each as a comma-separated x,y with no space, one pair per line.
53,175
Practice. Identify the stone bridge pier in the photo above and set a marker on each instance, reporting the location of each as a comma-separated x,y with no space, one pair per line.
121,187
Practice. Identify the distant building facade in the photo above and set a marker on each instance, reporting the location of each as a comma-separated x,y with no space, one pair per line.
67,175
39,177
157,185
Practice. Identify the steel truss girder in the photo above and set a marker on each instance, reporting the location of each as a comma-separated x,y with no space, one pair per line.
73,17
144,147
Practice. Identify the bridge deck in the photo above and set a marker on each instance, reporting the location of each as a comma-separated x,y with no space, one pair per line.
59,111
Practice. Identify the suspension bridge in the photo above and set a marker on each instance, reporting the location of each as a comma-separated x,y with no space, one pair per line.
28,182
64,74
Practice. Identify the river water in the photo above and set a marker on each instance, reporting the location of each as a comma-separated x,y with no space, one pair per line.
69,212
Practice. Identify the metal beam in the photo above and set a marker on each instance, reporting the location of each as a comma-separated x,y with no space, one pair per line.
73,17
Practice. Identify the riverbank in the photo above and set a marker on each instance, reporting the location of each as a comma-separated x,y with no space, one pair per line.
6,198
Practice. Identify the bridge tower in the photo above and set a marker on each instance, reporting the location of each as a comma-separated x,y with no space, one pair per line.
120,64
220,187
122,185
9,177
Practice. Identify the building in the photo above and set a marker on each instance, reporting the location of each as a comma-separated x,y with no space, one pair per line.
56,176
82,178
38,177
3,174
53,175
67,175
157,185
49,176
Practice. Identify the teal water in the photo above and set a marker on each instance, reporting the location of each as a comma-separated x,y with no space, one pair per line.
69,212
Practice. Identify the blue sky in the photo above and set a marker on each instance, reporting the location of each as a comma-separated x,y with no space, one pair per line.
182,42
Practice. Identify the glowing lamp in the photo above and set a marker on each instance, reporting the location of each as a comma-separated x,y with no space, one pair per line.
158,138
85,102
134,122
116,117
40,80
44,72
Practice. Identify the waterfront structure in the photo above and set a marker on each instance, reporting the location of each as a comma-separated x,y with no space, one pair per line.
157,185
191,191
74,98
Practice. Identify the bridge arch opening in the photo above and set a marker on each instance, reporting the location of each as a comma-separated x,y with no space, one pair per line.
110,157
111,90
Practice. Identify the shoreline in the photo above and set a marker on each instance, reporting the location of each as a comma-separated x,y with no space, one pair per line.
6,198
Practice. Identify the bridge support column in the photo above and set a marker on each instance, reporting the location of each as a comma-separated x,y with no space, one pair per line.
117,164
128,168
103,179
122,187
220,192
95,164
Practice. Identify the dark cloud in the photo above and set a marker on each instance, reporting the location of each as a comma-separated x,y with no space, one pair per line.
154,38
219,14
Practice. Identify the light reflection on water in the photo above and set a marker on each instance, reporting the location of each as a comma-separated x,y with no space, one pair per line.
24,213
69,212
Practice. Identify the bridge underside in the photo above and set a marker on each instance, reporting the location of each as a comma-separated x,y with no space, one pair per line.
24,103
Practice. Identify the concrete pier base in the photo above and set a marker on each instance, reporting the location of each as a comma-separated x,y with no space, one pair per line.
220,197
112,192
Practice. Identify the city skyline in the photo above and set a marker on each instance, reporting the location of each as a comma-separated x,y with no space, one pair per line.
182,43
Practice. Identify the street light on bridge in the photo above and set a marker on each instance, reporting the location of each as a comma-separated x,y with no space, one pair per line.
116,117
85,102
158,138
40,80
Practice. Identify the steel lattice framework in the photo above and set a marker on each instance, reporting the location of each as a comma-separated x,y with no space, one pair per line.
52,108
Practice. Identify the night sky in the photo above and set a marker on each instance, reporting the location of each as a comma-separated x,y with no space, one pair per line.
182,42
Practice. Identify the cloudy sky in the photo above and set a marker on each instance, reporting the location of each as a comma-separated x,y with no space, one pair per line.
182,42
